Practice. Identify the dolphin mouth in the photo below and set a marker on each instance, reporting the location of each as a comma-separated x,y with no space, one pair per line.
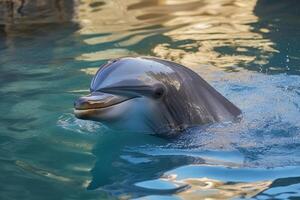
97,101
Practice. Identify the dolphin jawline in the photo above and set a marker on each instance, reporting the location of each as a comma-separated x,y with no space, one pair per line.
86,106
87,113
102,107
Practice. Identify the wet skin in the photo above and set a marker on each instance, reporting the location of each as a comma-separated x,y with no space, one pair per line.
150,95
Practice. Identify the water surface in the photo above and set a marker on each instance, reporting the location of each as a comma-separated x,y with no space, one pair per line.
248,50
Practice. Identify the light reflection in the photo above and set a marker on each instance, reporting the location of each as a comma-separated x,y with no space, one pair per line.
27,167
202,33
105,54
227,27
220,182
204,188
218,34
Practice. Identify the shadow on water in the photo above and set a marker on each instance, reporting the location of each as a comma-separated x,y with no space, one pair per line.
248,50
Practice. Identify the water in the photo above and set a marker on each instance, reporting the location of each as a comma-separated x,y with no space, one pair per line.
248,50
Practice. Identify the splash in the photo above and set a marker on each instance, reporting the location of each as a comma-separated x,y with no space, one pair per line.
267,134
69,122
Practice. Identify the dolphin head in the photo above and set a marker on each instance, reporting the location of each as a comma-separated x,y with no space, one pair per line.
152,95
125,94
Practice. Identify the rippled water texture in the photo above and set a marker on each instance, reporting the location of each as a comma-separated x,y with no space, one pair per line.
248,50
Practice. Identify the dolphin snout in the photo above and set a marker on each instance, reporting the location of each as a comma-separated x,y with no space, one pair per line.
93,101
97,100
81,103
86,106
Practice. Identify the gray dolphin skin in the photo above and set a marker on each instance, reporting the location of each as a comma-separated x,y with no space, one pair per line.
151,95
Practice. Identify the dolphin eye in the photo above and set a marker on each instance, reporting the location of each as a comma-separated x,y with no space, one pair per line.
159,91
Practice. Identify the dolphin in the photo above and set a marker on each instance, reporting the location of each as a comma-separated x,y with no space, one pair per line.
151,95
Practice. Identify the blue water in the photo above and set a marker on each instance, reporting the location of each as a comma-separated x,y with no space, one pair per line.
248,50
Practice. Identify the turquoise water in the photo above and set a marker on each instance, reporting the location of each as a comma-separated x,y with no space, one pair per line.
248,50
